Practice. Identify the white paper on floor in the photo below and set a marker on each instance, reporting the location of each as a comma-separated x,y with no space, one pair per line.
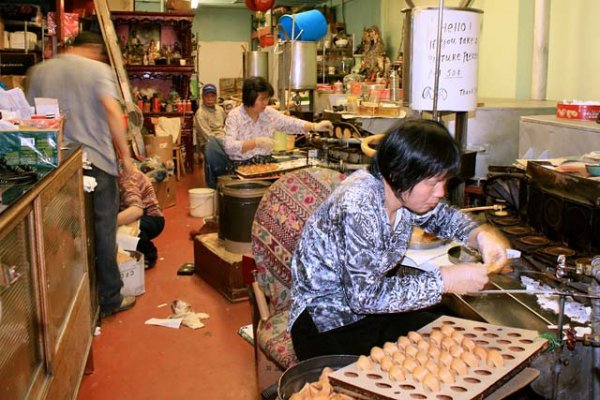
174,323
191,319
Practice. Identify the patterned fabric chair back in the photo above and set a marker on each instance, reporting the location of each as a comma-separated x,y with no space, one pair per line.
278,223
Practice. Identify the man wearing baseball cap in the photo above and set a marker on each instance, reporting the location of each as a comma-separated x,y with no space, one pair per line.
209,125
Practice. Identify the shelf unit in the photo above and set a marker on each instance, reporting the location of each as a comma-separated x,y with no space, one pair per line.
340,58
168,29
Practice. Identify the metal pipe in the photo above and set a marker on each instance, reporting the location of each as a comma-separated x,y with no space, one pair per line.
539,62
594,288
438,55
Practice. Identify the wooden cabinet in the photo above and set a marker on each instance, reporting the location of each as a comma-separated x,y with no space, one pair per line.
45,306
157,53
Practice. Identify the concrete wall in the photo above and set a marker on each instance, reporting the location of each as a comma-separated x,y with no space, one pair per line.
222,24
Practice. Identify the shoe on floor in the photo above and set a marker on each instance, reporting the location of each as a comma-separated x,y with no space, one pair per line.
127,303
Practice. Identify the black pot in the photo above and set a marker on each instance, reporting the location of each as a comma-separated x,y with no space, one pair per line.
294,378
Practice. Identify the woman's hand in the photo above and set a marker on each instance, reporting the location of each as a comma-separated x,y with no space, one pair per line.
464,278
492,245
264,143
323,126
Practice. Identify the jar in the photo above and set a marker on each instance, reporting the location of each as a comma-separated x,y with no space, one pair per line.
338,87
156,104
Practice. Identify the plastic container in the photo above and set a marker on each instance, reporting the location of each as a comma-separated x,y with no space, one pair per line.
310,26
202,202
280,141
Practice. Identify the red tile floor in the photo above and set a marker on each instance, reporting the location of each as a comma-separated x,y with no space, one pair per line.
137,361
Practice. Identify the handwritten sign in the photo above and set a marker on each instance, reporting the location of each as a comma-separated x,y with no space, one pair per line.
457,90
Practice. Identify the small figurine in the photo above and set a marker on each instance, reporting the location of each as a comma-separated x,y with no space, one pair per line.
373,51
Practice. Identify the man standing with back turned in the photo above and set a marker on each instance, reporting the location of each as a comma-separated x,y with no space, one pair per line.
87,94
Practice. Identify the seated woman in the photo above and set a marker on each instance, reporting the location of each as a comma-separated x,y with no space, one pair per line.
346,295
139,202
249,128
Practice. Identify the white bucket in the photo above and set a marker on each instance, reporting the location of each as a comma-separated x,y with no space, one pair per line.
202,202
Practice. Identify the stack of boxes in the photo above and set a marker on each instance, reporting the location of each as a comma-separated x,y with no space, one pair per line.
230,87
162,146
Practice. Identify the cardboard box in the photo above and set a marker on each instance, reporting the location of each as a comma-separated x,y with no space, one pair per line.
13,81
120,5
131,266
166,192
239,82
161,146
179,5
227,85
1,33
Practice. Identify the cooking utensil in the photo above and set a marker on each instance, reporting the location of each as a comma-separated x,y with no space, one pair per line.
460,254
528,291
496,207
294,378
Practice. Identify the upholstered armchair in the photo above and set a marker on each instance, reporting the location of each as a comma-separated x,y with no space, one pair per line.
277,226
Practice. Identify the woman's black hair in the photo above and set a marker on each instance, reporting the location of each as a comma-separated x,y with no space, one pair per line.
415,151
252,87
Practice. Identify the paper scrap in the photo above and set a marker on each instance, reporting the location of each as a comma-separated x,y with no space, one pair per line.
15,100
174,323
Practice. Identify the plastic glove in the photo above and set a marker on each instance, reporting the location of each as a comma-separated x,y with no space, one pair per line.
323,126
264,143
492,247
464,278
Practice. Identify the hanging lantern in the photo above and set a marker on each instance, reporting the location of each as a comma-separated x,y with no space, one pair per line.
259,5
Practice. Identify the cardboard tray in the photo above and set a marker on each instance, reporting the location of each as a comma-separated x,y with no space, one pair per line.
517,347
282,168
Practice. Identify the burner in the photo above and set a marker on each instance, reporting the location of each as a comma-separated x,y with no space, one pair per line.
498,213
507,221
558,250
534,240
517,230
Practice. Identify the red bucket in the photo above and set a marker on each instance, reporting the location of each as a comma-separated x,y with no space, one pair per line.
267,40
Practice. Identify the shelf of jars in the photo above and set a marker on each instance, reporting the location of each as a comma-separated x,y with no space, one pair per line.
158,71
157,53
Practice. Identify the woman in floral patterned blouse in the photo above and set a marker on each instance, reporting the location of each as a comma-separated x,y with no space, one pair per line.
249,128
347,294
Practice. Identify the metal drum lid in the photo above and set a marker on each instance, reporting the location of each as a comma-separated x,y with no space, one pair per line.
534,240
517,230
558,250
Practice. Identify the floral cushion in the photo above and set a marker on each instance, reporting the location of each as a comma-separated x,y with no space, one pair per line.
275,339
277,226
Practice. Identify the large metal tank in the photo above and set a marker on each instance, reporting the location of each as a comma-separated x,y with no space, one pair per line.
298,65
256,63
457,89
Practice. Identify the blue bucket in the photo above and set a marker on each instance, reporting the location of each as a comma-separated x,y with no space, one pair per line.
310,26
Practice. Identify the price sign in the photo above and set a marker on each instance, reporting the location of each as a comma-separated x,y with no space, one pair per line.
457,90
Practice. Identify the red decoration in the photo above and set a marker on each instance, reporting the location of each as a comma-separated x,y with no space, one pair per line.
259,5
